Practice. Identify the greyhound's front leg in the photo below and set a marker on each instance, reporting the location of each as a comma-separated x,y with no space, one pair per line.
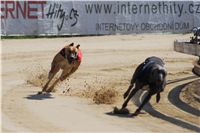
158,97
147,98
66,72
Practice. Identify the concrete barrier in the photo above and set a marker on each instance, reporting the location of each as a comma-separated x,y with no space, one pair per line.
187,48
192,49
196,69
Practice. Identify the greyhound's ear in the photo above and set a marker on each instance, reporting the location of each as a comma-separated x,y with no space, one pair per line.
78,46
165,72
72,44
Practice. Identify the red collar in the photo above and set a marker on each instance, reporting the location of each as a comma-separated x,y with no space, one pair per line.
80,55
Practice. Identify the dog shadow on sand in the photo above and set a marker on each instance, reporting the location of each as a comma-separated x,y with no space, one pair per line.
178,122
40,96
139,97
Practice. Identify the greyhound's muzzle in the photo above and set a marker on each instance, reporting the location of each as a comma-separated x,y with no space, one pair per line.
159,79
72,57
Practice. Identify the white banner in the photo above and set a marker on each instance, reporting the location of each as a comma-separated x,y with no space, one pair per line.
97,17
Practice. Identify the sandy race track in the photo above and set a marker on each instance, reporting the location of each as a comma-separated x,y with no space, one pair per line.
108,63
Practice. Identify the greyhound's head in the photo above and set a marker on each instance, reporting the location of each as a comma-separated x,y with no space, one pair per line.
157,76
72,53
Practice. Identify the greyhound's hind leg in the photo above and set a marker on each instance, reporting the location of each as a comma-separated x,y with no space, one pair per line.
137,87
129,97
133,80
128,91
63,76
51,75
47,84
53,86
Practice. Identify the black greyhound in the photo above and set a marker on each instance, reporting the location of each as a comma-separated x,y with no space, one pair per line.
152,73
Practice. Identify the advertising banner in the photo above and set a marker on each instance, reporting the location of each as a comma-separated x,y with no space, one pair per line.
97,17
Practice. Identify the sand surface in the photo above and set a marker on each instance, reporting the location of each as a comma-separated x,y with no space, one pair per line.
108,63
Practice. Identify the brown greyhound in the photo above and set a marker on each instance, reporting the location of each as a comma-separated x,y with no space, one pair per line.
68,59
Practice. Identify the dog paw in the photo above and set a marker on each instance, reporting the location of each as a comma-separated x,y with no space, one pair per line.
134,114
120,111
40,92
